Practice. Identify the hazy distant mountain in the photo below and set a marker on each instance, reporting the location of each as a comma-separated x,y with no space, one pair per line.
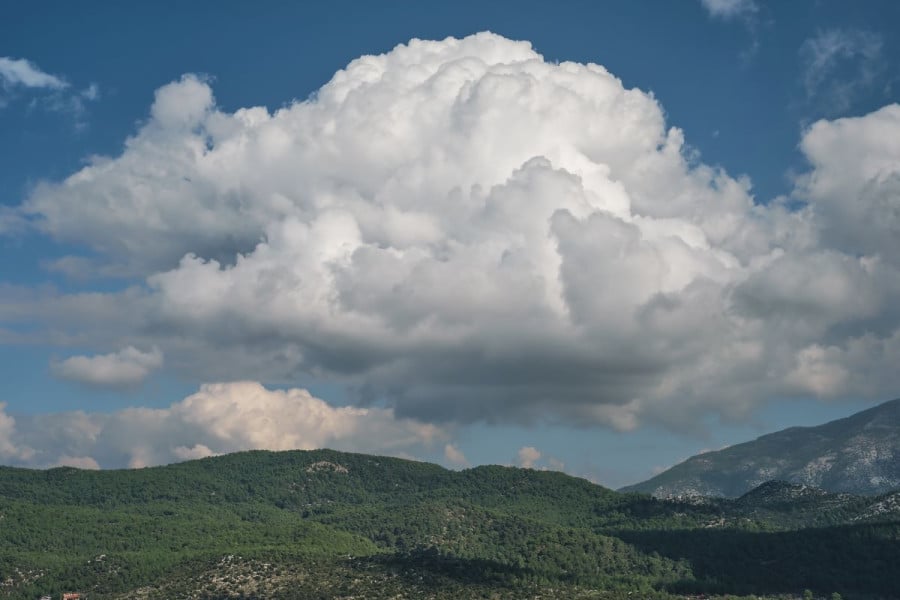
859,454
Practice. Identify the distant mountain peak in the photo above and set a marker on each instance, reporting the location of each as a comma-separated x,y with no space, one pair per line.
859,454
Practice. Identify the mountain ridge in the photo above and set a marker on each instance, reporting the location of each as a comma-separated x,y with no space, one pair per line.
858,454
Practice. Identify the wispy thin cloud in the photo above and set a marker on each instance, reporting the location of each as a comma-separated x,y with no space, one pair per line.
22,79
74,104
730,9
745,12
16,72
839,65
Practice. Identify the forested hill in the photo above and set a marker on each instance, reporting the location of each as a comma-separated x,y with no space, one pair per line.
859,454
326,524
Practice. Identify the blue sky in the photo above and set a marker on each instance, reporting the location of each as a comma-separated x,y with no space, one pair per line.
97,312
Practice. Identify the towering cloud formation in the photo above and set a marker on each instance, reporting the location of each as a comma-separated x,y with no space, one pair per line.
467,231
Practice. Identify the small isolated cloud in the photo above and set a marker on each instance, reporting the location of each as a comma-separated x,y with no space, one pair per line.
219,418
23,73
527,456
555,464
91,92
839,66
730,9
125,368
454,456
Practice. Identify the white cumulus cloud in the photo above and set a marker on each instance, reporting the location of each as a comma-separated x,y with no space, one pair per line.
465,231
127,367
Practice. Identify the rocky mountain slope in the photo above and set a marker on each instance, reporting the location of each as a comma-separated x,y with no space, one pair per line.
859,455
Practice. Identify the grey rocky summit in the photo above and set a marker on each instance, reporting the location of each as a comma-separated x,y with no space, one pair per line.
859,454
